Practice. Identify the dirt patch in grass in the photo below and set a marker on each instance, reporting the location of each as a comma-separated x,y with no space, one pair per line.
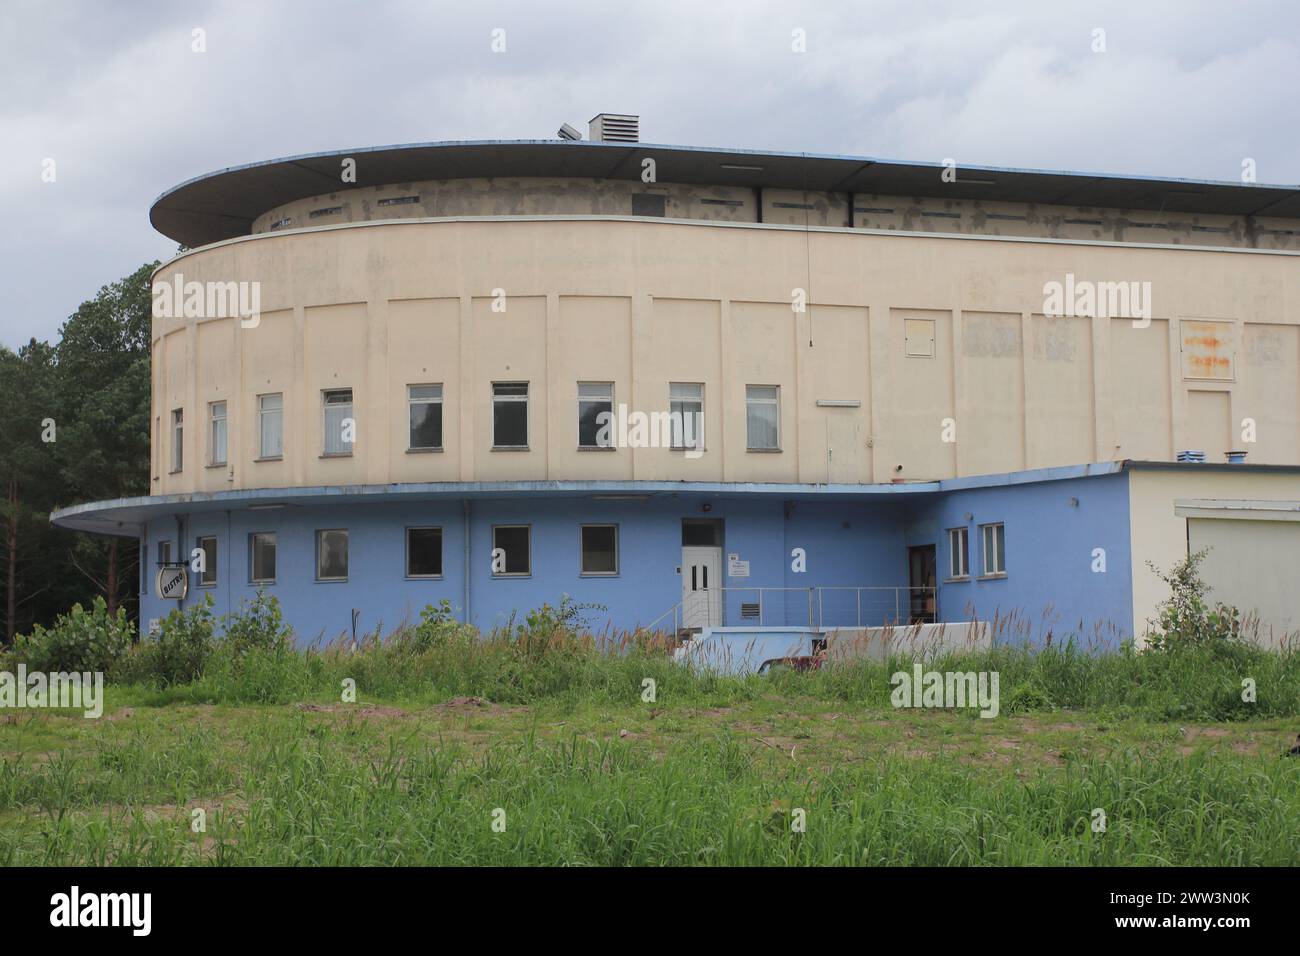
365,711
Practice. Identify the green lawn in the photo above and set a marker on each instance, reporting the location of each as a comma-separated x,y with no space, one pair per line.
716,776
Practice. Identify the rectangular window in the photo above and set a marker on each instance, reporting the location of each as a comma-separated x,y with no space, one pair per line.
217,433
957,553
599,549
762,417
208,576
994,549
332,555
178,439
261,558
424,552
424,403
509,414
686,409
270,425
340,427
595,399
511,550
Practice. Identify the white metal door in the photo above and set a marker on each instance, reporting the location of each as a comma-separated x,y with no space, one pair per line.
701,586
842,447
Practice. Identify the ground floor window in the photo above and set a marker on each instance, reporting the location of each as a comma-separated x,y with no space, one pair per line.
208,576
511,549
599,549
261,562
994,549
958,553
332,555
424,552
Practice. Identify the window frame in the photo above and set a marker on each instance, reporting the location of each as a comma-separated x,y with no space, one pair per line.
406,565
596,401
262,414
347,547
774,402
964,552
252,556
511,399
514,574
999,544
178,440
410,405
673,425
209,567
325,404
582,550
213,460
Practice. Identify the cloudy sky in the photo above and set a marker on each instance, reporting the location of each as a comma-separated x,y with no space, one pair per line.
115,95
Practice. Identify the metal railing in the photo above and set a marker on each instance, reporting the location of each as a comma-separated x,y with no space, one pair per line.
815,607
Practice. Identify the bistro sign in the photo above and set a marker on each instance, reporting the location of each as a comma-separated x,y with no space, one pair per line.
172,582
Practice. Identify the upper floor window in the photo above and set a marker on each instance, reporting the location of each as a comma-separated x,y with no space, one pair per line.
340,426
594,400
686,411
762,417
270,425
178,439
509,414
424,404
995,560
217,433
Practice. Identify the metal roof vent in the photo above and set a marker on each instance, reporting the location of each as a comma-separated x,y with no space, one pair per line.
616,128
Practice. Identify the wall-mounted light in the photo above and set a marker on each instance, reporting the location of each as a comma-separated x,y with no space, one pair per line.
968,516
706,507
1074,502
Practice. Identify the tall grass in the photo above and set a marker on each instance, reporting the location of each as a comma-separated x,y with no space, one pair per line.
309,800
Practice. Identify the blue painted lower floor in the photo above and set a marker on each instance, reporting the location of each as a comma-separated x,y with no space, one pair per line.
643,559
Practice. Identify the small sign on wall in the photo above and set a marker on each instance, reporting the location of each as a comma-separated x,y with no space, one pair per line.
172,583
737,568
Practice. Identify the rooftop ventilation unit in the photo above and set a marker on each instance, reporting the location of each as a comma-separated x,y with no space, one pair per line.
615,128
568,132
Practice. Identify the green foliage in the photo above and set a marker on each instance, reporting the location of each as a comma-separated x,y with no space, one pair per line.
77,429
80,640
1186,617
257,626
180,650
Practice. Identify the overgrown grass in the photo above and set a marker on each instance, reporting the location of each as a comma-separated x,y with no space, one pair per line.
345,793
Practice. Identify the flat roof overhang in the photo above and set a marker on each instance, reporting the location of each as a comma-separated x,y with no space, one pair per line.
126,517
223,204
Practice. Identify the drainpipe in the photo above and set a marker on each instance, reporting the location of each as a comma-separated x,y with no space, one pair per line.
465,508
181,553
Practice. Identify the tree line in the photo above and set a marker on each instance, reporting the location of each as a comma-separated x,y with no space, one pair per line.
74,427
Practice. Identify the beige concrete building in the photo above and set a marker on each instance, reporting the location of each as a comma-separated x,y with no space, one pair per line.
457,315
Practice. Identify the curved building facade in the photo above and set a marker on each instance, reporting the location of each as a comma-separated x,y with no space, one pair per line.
498,373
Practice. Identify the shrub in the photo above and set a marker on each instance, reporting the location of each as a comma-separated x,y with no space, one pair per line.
78,641
181,649
438,629
258,625
1186,617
